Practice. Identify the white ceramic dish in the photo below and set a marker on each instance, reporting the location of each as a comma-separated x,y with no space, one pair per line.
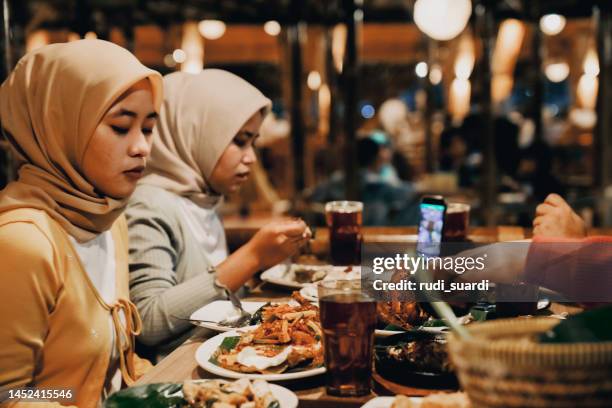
283,275
208,348
385,402
220,310
285,397
309,292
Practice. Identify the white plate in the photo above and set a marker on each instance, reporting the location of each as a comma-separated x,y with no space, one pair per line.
208,348
219,310
279,275
310,293
285,397
386,333
543,304
385,402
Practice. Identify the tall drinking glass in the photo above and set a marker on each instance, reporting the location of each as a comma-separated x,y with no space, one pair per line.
344,219
348,318
457,222
516,299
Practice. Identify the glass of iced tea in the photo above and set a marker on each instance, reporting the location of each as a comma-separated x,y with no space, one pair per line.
344,219
348,318
456,222
517,299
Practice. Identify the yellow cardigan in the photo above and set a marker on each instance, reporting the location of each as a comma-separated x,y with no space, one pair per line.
54,330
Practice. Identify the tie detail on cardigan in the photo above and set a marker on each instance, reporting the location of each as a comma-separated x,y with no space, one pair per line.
124,336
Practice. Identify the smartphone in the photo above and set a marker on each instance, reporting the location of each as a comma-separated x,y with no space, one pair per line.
431,225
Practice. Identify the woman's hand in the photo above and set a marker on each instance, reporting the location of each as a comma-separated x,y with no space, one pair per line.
277,241
555,218
272,244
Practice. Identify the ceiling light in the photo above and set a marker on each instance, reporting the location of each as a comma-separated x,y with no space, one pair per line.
552,24
272,28
179,56
314,80
557,72
211,29
442,19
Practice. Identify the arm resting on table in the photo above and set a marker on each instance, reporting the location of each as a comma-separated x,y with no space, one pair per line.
580,269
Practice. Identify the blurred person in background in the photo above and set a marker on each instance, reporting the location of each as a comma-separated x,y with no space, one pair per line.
404,130
454,156
387,199
394,165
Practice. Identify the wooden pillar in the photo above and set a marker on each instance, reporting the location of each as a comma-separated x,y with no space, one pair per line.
295,32
6,33
128,30
538,73
83,21
332,81
603,17
353,16
485,27
6,163
430,162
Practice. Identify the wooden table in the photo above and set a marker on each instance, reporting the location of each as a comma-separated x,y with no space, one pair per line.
180,365
239,233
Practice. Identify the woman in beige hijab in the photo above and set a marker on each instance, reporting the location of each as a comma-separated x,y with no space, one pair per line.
203,150
79,118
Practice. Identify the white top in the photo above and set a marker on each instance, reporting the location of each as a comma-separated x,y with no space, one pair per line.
98,259
207,228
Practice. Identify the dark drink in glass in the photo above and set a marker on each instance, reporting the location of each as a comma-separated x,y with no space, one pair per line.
456,222
516,299
344,219
348,318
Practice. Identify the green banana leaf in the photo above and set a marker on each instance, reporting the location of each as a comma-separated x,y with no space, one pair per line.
591,326
166,395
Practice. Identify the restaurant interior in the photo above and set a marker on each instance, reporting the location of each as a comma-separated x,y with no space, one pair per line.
483,107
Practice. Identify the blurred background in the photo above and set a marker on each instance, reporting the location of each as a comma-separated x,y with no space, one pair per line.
495,103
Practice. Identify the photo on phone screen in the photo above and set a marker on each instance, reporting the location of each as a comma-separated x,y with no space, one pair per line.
431,226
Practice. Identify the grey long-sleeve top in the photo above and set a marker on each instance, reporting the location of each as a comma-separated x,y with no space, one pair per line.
168,266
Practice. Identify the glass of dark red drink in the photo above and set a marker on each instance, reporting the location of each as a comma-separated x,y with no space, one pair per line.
456,222
517,299
348,318
344,219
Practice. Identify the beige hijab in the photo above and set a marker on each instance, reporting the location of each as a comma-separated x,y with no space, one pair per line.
50,106
200,116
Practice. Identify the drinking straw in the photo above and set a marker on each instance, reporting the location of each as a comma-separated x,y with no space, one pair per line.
446,312
443,309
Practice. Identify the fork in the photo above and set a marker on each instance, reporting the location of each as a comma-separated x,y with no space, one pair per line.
306,250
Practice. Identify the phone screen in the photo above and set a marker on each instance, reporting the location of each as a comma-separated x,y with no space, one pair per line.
431,227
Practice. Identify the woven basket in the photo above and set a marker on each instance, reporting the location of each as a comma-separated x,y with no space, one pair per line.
500,367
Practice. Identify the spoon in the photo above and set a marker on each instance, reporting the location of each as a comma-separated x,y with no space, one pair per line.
244,315
235,322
